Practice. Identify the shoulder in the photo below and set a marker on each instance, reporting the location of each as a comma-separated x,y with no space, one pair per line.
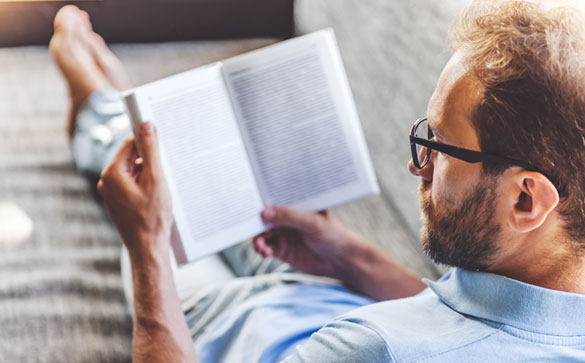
421,326
398,330
343,340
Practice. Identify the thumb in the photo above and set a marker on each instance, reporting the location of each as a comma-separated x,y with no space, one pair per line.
147,145
285,217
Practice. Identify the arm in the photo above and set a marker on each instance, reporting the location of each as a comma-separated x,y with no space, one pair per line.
160,331
136,195
367,270
318,244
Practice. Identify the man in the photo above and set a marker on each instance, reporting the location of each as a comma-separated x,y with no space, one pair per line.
500,155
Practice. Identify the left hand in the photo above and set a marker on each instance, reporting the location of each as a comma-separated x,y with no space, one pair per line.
313,243
136,195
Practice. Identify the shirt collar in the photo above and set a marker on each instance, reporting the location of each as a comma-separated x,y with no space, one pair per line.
506,301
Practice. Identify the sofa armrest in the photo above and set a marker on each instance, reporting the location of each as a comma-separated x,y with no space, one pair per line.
29,23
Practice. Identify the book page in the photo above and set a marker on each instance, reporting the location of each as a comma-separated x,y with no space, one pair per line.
299,122
216,201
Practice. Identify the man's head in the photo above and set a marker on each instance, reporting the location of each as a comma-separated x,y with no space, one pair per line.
515,87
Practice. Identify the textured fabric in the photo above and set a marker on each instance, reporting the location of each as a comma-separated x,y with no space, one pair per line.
464,317
270,317
61,296
102,128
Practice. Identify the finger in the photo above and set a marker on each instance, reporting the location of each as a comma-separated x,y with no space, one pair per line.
269,235
126,156
100,187
268,241
259,245
281,244
137,169
255,241
120,171
147,144
262,247
123,163
286,217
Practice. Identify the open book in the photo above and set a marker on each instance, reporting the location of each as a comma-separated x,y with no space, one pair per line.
275,126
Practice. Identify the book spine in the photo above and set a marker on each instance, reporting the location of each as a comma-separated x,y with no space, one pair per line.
133,111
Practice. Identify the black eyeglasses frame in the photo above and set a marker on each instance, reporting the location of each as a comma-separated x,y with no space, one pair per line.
470,156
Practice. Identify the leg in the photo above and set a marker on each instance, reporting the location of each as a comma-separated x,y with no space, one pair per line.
70,50
98,125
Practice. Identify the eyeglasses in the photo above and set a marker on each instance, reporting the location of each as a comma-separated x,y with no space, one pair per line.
421,147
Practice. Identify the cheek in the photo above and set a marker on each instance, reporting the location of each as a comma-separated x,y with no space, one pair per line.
441,187
443,194
452,180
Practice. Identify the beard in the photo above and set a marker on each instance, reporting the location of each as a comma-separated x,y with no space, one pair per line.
462,236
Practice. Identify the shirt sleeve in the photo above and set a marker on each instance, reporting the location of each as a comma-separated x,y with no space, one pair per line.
342,341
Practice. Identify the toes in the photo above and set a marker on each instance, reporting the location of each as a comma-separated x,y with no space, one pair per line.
65,16
84,17
72,28
72,22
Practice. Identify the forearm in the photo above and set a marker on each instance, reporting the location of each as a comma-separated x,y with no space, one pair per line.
368,271
160,330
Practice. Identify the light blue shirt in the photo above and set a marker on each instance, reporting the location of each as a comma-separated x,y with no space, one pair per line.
269,325
464,317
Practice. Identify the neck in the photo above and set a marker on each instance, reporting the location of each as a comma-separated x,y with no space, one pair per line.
553,264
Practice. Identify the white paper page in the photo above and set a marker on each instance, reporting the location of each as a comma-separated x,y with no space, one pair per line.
216,201
299,121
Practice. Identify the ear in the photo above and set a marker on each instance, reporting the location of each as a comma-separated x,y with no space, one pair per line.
535,198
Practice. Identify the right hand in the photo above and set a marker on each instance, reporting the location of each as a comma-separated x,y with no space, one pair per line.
136,194
313,243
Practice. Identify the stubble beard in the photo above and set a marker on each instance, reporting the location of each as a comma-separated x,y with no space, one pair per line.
464,236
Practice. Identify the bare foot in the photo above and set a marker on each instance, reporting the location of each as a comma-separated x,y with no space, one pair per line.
108,62
86,65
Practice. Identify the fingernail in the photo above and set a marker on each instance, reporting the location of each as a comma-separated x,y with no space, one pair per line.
268,213
146,128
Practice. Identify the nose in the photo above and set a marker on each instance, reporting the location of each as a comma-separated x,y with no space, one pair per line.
411,168
426,172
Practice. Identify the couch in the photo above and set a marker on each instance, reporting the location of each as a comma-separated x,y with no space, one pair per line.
61,293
